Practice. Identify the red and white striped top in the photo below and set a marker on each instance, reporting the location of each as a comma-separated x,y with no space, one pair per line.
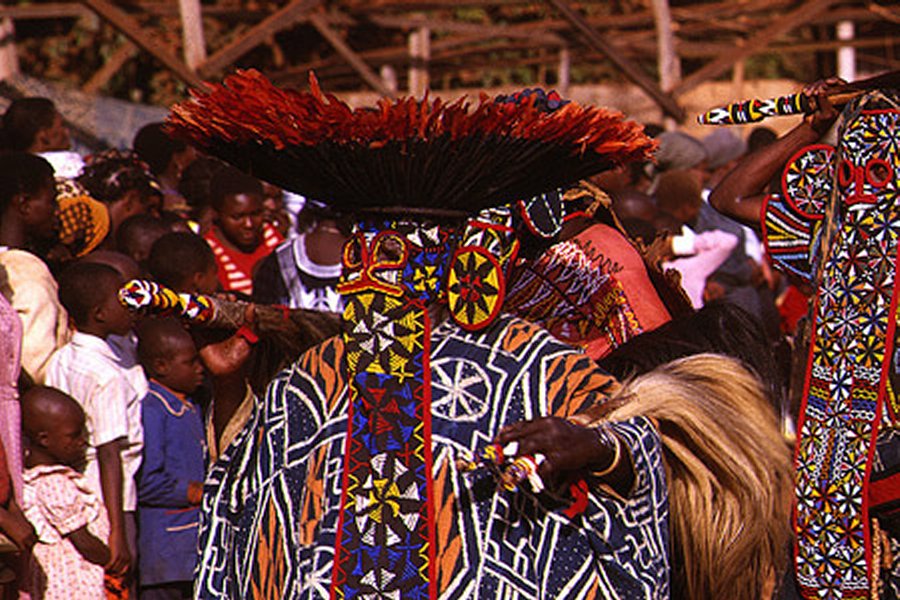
236,267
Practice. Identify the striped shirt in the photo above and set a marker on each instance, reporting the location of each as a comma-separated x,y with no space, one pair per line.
236,267
109,388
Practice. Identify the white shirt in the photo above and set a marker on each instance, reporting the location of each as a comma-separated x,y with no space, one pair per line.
707,251
110,391
65,163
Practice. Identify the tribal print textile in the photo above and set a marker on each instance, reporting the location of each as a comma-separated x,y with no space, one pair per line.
385,539
592,291
790,220
854,264
272,503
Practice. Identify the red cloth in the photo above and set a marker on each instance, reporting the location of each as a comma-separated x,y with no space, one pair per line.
5,482
591,291
236,267
792,306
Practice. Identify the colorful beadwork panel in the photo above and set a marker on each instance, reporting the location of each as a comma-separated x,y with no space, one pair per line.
489,543
852,340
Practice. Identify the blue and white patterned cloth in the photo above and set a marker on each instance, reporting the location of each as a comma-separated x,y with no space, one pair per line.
272,501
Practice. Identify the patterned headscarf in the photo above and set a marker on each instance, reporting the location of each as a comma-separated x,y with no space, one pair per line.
83,222
112,173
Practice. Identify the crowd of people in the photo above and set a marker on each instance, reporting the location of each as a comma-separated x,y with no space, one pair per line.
637,384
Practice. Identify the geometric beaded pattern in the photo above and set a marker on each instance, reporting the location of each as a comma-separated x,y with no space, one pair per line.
384,544
852,342
476,284
573,294
752,111
807,182
791,219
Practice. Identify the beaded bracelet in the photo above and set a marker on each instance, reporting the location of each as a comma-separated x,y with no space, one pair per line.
608,438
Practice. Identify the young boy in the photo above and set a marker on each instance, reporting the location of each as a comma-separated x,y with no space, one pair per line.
184,262
136,236
66,512
169,482
239,237
90,371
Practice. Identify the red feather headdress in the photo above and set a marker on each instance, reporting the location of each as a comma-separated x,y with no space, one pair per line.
406,152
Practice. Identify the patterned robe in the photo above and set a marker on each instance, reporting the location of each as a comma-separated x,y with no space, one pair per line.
272,501
592,291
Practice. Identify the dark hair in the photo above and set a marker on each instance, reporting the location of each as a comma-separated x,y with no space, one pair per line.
137,228
22,173
653,129
172,221
719,328
83,286
111,174
314,212
676,189
229,181
178,255
155,336
195,183
155,147
40,404
24,119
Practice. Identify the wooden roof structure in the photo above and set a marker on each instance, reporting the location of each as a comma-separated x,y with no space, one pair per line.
665,47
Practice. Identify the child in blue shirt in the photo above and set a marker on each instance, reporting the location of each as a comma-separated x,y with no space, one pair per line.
170,481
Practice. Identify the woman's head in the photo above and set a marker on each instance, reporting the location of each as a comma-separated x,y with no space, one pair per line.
123,182
237,200
34,125
28,193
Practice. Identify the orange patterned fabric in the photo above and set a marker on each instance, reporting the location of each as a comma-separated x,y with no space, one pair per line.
488,542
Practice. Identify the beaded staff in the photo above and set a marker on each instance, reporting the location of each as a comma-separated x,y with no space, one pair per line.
753,111
291,331
509,468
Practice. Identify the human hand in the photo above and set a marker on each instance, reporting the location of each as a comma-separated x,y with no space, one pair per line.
119,554
568,448
824,113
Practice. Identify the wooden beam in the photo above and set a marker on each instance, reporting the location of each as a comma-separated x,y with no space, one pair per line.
630,70
193,41
885,12
419,55
487,30
358,64
9,59
564,71
131,29
777,28
292,13
116,61
50,10
398,55
668,65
